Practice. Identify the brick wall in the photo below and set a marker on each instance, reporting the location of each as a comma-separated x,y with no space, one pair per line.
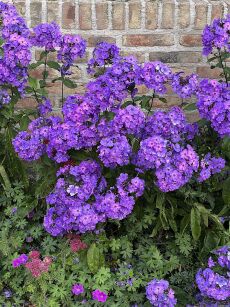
168,30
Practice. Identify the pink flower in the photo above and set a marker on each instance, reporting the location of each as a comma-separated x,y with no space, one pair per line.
34,254
77,289
99,296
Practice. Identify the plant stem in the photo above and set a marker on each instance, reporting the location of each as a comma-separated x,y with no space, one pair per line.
225,75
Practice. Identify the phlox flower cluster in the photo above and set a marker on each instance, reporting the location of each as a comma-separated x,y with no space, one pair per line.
214,105
4,97
214,281
118,136
165,149
160,294
47,35
155,75
71,48
184,87
110,89
80,199
103,54
216,36
16,48
210,166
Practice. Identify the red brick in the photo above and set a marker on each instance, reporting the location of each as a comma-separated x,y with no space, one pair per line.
151,40
201,11
184,14
118,16
191,40
93,40
85,16
102,16
68,15
134,15
207,72
168,11
151,15
27,103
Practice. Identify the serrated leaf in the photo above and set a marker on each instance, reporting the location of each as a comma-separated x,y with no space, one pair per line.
195,223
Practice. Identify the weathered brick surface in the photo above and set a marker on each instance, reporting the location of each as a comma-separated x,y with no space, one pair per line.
151,40
135,15
68,15
118,15
184,14
166,30
168,15
102,19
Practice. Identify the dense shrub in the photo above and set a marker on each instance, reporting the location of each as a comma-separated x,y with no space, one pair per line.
109,201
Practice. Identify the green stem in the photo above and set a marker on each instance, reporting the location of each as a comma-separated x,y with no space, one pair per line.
221,61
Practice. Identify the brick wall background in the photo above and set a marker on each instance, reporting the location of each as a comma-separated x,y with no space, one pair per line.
168,30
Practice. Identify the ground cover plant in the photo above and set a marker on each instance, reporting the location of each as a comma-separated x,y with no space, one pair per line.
109,201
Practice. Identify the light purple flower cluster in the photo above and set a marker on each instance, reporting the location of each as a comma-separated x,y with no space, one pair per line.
212,284
214,105
185,87
20,260
71,48
217,36
210,166
155,75
16,48
4,97
165,149
130,120
45,107
47,35
114,151
80,199
159,294
223,254
103,54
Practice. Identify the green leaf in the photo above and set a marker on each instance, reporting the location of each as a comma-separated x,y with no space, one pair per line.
94,258
24,122
33,82
190,107
160,200
54,65
43,55
226,192
211,240
35,65
195,223
69,83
